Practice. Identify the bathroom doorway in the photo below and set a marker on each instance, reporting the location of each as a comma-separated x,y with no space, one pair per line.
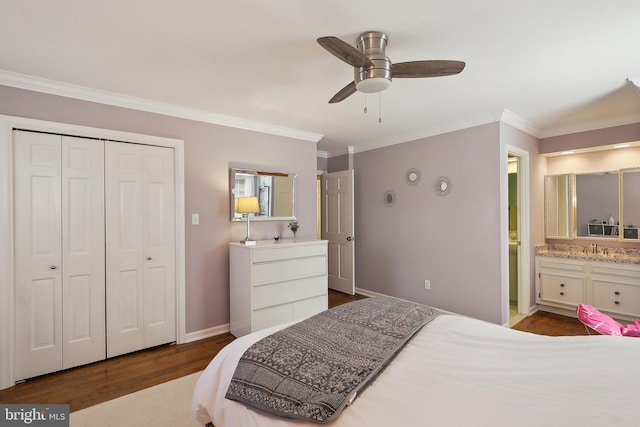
518,234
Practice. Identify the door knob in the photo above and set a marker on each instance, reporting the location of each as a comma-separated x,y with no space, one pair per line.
349,239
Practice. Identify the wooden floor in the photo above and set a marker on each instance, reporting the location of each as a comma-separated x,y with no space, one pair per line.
92,384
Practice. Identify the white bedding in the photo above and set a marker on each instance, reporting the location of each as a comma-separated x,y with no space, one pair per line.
459,371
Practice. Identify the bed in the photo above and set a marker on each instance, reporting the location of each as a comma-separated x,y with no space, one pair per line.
459,371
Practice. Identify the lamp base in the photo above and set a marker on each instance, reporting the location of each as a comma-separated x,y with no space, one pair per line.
248,242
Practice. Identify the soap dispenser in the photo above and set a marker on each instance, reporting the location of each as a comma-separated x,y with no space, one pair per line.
611,220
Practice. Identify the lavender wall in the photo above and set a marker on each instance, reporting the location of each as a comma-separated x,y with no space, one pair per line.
593,138
209,152
454,240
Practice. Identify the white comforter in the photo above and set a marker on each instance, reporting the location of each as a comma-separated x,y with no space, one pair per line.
464,372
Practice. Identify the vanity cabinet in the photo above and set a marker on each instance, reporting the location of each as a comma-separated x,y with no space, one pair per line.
274,283
616,288
562,283
613,288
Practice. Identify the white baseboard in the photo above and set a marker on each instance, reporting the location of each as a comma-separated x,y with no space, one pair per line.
207,333
368,293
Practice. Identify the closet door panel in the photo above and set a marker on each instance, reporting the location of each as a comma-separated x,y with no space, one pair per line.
83,251
124,258
159,245
38,277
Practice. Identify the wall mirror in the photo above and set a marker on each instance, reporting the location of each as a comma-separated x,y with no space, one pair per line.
558,195
275,192
598,203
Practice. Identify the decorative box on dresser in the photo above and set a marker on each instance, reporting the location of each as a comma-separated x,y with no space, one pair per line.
276,282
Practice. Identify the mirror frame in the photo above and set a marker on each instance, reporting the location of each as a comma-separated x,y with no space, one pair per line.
570,202
626,232
232,180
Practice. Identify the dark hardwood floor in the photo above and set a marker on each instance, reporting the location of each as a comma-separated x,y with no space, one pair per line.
98,382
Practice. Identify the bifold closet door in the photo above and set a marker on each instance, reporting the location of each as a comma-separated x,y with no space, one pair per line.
140,221
59,252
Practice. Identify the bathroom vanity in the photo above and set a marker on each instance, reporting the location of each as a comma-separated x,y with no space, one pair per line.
607,278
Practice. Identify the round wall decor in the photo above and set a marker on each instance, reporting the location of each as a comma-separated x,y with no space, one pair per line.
413,176
442,186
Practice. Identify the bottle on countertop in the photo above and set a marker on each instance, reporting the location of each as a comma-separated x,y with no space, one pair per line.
611,220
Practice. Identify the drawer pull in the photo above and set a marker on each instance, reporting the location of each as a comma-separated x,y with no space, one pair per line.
616,302
561,293
617,292
562,285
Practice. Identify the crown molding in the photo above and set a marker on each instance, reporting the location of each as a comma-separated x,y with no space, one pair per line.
52,87
510,118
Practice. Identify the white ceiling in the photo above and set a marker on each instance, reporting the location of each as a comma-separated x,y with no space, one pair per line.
554,66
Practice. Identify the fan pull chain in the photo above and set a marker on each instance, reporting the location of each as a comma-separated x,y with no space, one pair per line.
365,103
379,107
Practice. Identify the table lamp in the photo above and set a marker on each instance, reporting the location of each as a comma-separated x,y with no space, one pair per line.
246,206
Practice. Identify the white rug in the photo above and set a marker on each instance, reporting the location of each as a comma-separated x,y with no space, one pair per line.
167,404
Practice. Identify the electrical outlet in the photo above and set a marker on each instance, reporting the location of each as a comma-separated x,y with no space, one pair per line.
427,284
195,219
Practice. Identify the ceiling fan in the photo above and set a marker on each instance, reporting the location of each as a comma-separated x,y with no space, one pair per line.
373,70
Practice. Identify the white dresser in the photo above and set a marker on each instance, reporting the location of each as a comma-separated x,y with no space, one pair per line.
274,283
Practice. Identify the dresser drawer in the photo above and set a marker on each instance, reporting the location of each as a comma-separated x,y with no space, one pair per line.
309,307
289,269
616,297
286,252
284,292
562,289
289,312
271,316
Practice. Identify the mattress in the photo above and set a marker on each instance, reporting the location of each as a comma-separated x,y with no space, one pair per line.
459,371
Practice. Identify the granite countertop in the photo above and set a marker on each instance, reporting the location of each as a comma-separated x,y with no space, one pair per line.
621,255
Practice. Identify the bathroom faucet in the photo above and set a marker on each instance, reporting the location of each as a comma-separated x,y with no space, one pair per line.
594,248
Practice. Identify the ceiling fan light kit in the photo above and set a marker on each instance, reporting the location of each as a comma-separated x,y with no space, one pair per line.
373,71
376,77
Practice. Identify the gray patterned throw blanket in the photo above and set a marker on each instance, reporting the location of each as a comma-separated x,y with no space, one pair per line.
313,369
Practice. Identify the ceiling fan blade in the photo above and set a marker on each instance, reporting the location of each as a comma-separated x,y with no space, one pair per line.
435,68
344,51
343,93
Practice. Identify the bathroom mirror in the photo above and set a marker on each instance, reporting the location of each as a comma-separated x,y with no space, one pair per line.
558,202
275,192
597,203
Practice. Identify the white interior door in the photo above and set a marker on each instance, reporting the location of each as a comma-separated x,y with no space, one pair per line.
38,254
59,235
338,229
83,273
158,189
140,247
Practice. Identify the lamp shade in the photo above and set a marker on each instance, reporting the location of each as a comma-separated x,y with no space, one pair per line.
247,205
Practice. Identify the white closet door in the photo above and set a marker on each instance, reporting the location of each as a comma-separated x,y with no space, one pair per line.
59,234
83,290
38,277
159,245
140,247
